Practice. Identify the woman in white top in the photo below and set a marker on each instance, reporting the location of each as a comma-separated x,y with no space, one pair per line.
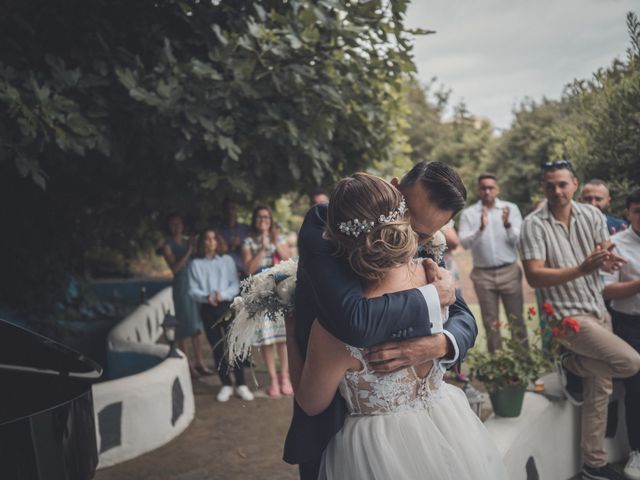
408,424
213,283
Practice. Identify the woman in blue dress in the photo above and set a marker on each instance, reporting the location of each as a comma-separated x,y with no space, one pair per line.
177,252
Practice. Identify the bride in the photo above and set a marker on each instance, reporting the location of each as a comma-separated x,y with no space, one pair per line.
408,424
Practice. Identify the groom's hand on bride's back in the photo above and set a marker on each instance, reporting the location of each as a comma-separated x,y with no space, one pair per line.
441,279
390,356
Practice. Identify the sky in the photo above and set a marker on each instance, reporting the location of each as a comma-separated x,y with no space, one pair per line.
494,53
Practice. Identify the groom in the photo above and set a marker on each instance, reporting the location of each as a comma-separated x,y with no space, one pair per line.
398,324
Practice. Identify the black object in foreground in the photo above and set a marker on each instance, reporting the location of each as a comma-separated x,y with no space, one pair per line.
47,428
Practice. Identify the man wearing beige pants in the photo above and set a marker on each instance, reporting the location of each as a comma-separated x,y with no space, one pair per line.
490,228
562,246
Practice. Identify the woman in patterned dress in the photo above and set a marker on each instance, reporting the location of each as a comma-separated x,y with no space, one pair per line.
260,251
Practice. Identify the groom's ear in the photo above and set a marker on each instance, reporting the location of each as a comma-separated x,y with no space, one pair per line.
395,182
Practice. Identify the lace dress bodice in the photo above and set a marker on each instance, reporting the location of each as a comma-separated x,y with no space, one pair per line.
369,393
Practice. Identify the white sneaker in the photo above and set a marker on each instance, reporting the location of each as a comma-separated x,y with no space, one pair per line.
632,468
244,393
225,393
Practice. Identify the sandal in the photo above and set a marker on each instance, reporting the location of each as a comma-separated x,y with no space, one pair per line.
285,385
273,390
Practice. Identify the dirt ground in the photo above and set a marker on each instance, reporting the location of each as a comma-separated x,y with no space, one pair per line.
236,440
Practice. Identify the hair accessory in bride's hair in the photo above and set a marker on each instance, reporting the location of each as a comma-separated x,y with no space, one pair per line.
354,228
399,211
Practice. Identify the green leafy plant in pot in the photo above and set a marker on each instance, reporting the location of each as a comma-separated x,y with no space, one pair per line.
507,372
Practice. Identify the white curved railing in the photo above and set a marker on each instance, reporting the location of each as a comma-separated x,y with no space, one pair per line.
544,441
150,399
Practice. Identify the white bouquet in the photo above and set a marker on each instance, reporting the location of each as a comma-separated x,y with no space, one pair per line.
437,245
268,294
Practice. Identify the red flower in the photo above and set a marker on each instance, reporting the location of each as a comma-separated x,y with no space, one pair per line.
548,309
532,311
571,323
556,332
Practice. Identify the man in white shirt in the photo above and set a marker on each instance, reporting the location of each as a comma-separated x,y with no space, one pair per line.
490,228
623,289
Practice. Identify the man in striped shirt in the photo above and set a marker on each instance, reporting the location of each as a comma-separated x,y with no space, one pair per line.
562,246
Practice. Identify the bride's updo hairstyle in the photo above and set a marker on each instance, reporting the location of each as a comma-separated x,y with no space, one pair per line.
372,247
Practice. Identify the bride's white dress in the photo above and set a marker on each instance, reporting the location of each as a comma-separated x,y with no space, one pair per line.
403,427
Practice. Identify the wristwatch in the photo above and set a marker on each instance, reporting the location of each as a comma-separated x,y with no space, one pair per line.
507,225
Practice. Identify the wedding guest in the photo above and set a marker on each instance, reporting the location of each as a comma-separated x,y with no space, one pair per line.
318,196
596,192
177,252
233,232
213,283
563,245
490,229
260,251
623,289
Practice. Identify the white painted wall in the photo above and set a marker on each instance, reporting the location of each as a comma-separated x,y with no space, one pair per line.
549,431
146,396
146,409
151,313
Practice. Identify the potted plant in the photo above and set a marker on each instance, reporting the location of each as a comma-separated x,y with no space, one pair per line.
507,372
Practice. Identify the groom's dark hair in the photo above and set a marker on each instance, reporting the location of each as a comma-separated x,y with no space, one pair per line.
443,185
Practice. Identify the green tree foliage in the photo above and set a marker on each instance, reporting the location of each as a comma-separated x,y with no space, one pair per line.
425,105
611,130
539,133
466,145
596,125
465,142
117,111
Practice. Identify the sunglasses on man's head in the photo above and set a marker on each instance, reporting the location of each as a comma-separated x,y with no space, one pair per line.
557,165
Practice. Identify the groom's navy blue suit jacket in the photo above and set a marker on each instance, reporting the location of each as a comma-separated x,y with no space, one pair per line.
328,290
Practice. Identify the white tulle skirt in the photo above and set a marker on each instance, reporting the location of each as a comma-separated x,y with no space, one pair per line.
447,441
